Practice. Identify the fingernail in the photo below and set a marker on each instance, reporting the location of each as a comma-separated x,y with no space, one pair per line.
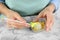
27,25
47,29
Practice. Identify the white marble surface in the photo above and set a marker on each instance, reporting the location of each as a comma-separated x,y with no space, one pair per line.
26,34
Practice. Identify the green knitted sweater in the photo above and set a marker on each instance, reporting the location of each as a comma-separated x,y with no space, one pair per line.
27,7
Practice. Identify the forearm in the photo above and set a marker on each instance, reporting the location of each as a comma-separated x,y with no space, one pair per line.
50,7
3,8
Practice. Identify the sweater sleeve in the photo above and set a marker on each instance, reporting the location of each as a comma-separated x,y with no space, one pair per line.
56,3
2,1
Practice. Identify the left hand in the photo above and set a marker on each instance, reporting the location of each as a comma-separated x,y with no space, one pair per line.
48,14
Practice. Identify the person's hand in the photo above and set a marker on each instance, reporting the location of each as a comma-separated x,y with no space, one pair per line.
47,13
15,16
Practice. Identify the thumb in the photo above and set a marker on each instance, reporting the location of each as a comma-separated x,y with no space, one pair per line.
37,17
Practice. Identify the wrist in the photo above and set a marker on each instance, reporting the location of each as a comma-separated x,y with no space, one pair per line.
3,9
4,12
50,8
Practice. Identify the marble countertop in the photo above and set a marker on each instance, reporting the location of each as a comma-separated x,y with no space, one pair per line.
26,34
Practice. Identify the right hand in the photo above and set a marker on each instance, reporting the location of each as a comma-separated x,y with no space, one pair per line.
15,16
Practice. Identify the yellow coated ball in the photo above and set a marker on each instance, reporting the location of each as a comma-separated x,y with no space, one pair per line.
37,26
